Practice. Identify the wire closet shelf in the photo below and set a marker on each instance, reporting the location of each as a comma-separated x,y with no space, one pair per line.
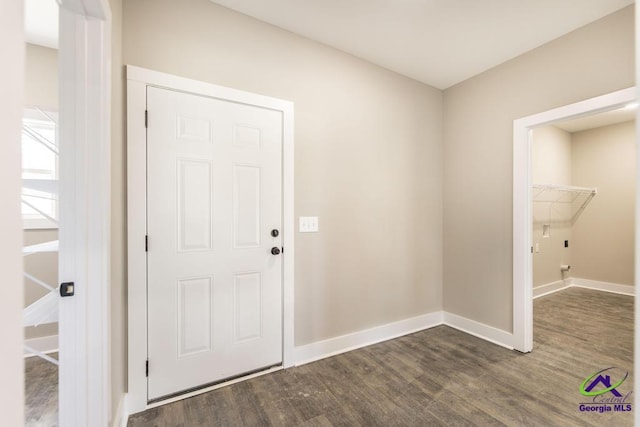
560,203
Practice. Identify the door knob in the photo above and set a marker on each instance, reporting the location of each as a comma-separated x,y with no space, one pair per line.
275,251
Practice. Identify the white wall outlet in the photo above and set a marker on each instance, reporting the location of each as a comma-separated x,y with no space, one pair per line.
308,224
537,247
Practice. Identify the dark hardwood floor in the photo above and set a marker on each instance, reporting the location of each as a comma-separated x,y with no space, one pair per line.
41,392
438,377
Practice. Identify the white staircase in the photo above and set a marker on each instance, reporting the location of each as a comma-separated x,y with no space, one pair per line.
45,185
40,247
45,309
42,311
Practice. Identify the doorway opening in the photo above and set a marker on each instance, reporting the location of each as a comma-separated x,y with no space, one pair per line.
583,196
65,198
40,213
523,191
583,203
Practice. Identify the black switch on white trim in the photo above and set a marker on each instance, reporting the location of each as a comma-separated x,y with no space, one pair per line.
67,289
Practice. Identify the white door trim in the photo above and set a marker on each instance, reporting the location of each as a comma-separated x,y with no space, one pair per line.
137,81
522,262
85,174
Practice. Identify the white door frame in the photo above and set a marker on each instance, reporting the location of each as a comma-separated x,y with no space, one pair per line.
137,81
522,181
85,174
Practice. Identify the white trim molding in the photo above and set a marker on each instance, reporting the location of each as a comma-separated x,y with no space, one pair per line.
550,288
333,346
615,288
121,417
522,262
137,81
574,282
85,222
190,394
480,330
342,344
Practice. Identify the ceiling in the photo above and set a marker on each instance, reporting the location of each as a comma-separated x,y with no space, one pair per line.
598,120
41,22
437,42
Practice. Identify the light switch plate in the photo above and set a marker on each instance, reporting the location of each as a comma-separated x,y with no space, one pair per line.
308,224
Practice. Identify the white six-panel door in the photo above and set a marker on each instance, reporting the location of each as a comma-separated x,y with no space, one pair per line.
214,197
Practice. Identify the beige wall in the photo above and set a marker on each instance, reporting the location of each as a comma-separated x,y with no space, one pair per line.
41,90
551,156
478,139
41,77
603,236
368,163
551,164
367,158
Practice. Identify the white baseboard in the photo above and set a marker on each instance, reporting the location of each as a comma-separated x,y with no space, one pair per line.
480,330
615,288
575,282
121,418
342,344
44,345
330,347
549,288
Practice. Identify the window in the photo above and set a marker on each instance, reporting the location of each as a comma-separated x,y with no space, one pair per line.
39,169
